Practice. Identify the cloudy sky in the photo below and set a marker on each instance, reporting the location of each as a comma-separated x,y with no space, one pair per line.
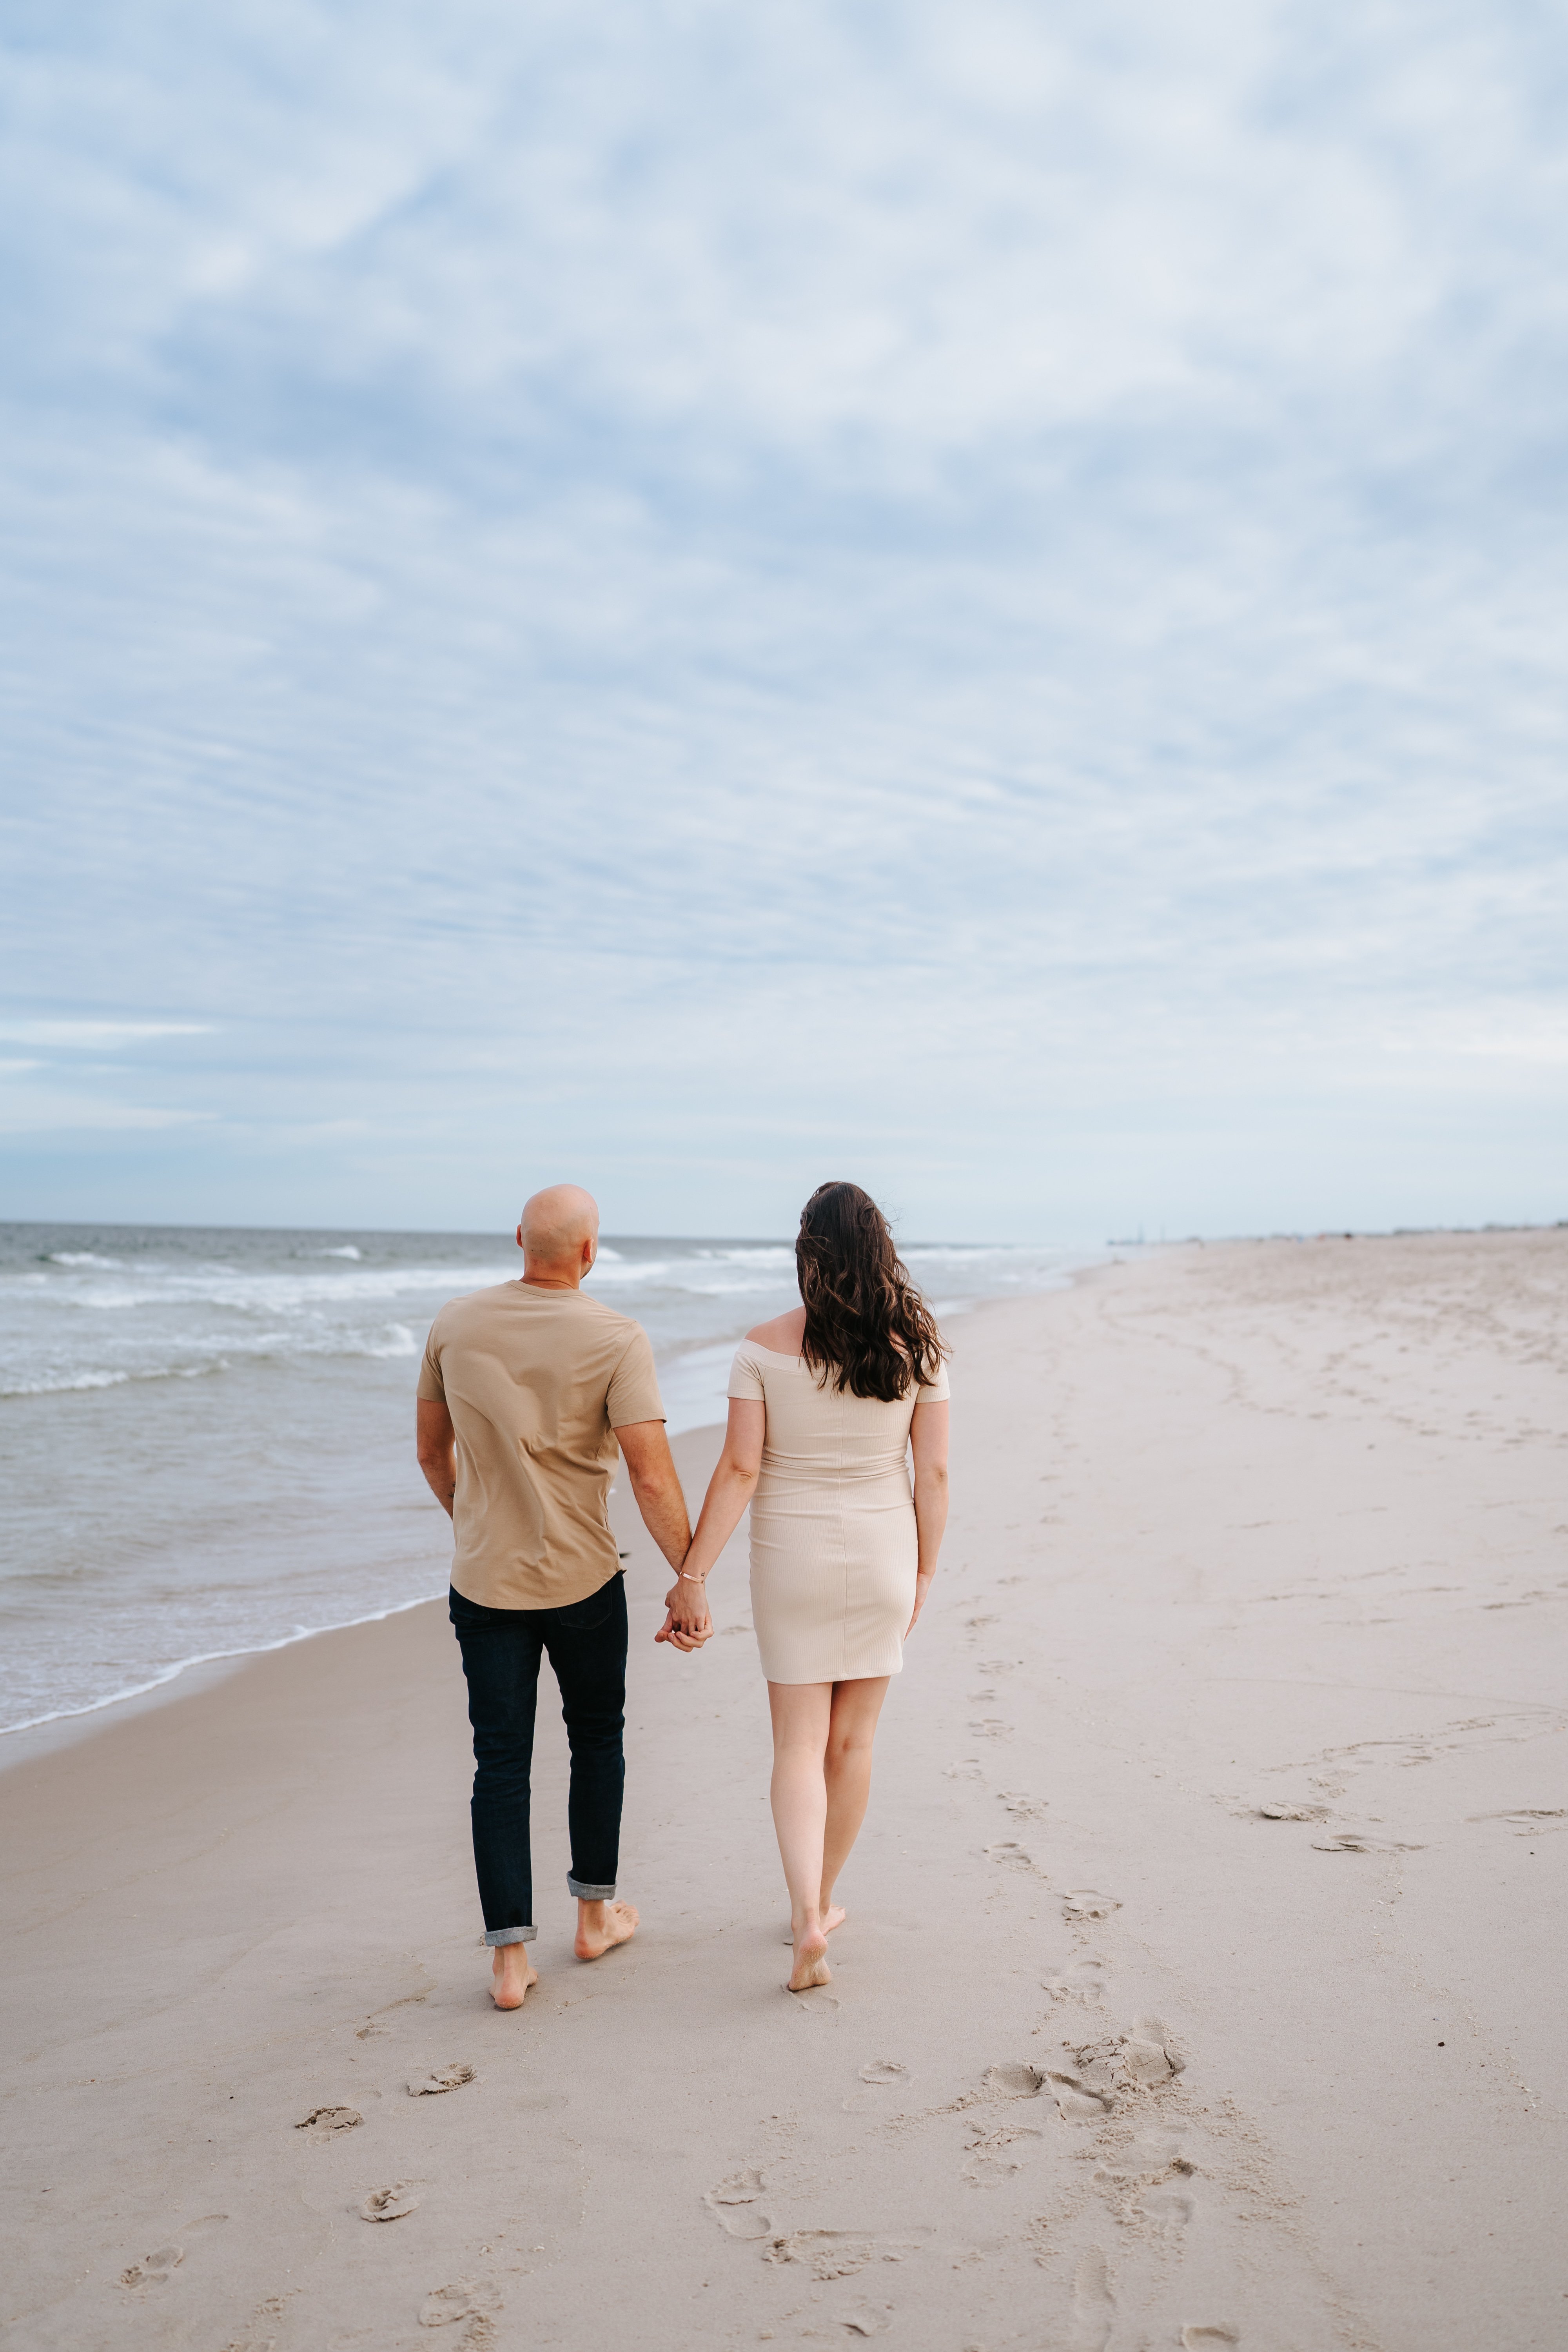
701,598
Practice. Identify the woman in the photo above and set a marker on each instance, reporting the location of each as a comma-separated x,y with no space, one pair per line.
826,1405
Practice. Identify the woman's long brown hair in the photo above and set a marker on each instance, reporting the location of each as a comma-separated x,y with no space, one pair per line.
867,1326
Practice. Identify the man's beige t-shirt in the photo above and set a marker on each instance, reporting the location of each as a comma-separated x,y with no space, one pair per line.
537,1383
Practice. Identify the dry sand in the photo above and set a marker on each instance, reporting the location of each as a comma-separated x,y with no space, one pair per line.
1233,1743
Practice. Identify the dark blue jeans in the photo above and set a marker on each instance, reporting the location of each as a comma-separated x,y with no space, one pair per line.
501,1648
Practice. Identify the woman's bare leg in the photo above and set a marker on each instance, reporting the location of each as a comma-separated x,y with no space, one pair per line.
800,1713
852,1726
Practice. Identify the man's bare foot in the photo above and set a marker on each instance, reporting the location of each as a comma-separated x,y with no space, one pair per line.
512,1977
601,1924
810,1960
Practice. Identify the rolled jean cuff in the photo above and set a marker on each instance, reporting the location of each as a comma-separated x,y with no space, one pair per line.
511,1935
586,1894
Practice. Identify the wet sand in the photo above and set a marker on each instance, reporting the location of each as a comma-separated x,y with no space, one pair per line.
1201,1984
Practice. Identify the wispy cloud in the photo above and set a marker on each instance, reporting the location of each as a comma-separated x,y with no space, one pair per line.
96,1036
50,1112
687,593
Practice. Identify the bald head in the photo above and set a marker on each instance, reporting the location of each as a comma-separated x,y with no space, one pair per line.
559,1233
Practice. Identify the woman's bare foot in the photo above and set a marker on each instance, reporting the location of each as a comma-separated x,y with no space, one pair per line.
601,1925
512,1977
833,1916
810,1959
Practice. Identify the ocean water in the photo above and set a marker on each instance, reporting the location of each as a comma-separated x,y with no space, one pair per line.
207,1436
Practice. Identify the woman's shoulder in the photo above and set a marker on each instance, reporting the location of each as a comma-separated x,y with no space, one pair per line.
782,1335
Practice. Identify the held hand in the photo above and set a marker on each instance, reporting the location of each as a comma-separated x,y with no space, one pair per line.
688,1620
670,1632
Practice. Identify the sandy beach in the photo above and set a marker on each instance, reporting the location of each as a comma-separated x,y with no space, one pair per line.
1202,1979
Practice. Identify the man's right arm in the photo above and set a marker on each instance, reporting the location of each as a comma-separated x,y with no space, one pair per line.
644,1449
436,1442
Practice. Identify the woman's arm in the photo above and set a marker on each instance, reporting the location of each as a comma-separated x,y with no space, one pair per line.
928,1443
687,1622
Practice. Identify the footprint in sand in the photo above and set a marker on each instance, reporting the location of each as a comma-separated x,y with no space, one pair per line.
967,1769
1362,1841
1150,2054
866,2319
153,2270
880,2075
156,2269
734,2205
1167,2210
444,2078
1208,2339
839,2253
1076,2102
325,2123
1012,2080
827,2253
258,2337
376,2024
1093,2305
1155,2029
1282,1812
463,2299
1084,1981
1024,1808
389,2204
995,2156
1083,1903
1157,2199
1115,2067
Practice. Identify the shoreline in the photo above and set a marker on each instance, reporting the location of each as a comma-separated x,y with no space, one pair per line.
198,1673
1231,1755
46,1734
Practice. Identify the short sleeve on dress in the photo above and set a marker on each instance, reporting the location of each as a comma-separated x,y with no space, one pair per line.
934,1391
746,1378
633,1393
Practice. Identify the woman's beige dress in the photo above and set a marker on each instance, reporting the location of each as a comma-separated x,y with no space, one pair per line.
834,1545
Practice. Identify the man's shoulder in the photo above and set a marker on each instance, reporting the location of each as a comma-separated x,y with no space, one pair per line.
471,1306
611,1322
526,1305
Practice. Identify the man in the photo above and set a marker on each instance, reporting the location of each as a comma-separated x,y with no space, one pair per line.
524,1392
